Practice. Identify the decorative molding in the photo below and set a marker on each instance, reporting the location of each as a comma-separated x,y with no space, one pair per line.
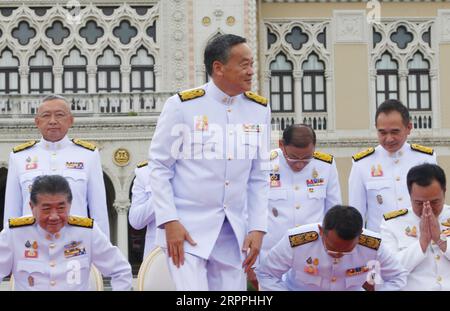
350,1
121,207
253,39
444,25
350,26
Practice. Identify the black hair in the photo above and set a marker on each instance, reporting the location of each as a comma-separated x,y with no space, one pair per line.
299,135
345,220
50,184
218,49
390,105
424,174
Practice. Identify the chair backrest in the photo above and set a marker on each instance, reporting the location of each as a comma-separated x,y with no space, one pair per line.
154,274
95,280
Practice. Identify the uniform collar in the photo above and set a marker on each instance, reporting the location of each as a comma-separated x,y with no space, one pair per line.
399,153
51,237
58,145
221,96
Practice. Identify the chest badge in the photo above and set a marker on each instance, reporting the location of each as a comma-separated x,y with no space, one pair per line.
75,165
357,271
379,199
412,232
31,249
275,181
73,249
376,171
31,163
312,266
201,123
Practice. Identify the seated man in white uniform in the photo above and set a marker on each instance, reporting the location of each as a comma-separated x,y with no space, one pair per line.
418,236
337,255
52,251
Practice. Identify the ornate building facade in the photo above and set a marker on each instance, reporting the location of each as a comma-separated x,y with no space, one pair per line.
326,63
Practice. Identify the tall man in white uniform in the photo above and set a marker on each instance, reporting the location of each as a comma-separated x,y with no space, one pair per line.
142,214
418,236
78,161
337,255
208,163
52,251
377,182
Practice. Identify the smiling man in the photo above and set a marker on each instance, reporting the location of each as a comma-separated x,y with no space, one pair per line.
377,182
336,255
209,170
54,251
76,160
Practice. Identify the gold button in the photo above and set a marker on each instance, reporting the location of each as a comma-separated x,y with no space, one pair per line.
48,237
52,283
398,178
333,279
396,161
400,199
230,158
227,182
57,235
438,257
439,279
52,264
229,110
297,206
224,206
296,188
52,245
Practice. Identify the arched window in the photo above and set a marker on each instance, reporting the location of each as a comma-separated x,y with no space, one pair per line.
313,85
387,79
75,75
108,72
281,85
41,74
419,92
142,72
9,73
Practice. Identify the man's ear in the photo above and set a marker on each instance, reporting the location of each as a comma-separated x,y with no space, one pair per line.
33,210
320,230
280,143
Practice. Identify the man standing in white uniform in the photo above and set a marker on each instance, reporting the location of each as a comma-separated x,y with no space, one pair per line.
208,163
418,235
55,154
377,182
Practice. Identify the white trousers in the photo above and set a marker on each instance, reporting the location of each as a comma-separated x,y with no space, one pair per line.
222,271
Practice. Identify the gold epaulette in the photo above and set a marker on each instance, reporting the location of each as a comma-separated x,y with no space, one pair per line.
256,98
81,221
325,157
363,154
422,149
142,164
273,155
24,146
395,214
84,144
21,221
303,238
191,94
369,241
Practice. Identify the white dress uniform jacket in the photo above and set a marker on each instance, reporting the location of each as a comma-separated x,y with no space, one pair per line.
377,182
429,270
299,198
45,262
78,161
141,213
302,255
208,157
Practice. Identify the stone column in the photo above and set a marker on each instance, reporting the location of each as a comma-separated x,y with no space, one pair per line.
92,79
24,72
435,107
57,79
330,104
403,75
125,71
122,207
298,75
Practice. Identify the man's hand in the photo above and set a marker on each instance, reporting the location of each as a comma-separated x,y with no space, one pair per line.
253,241
424,226
435,229
176,234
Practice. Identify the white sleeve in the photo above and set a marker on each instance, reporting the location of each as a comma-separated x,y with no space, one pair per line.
276,263
393,273
96,194
141,210
110,261
357,196
6,254
13,193
162,157
334,189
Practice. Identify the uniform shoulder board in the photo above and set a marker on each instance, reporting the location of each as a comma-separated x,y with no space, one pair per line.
303,238
363,154
81,221
369,241
21,221
422,149
273,155
325,157
84,144
142,164
24,146
395,214
191,94
256,98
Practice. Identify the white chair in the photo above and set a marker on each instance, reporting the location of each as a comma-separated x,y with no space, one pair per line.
154,274
95,280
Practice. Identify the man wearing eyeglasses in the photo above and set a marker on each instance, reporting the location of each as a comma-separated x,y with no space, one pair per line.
335,255
418,235
55,154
